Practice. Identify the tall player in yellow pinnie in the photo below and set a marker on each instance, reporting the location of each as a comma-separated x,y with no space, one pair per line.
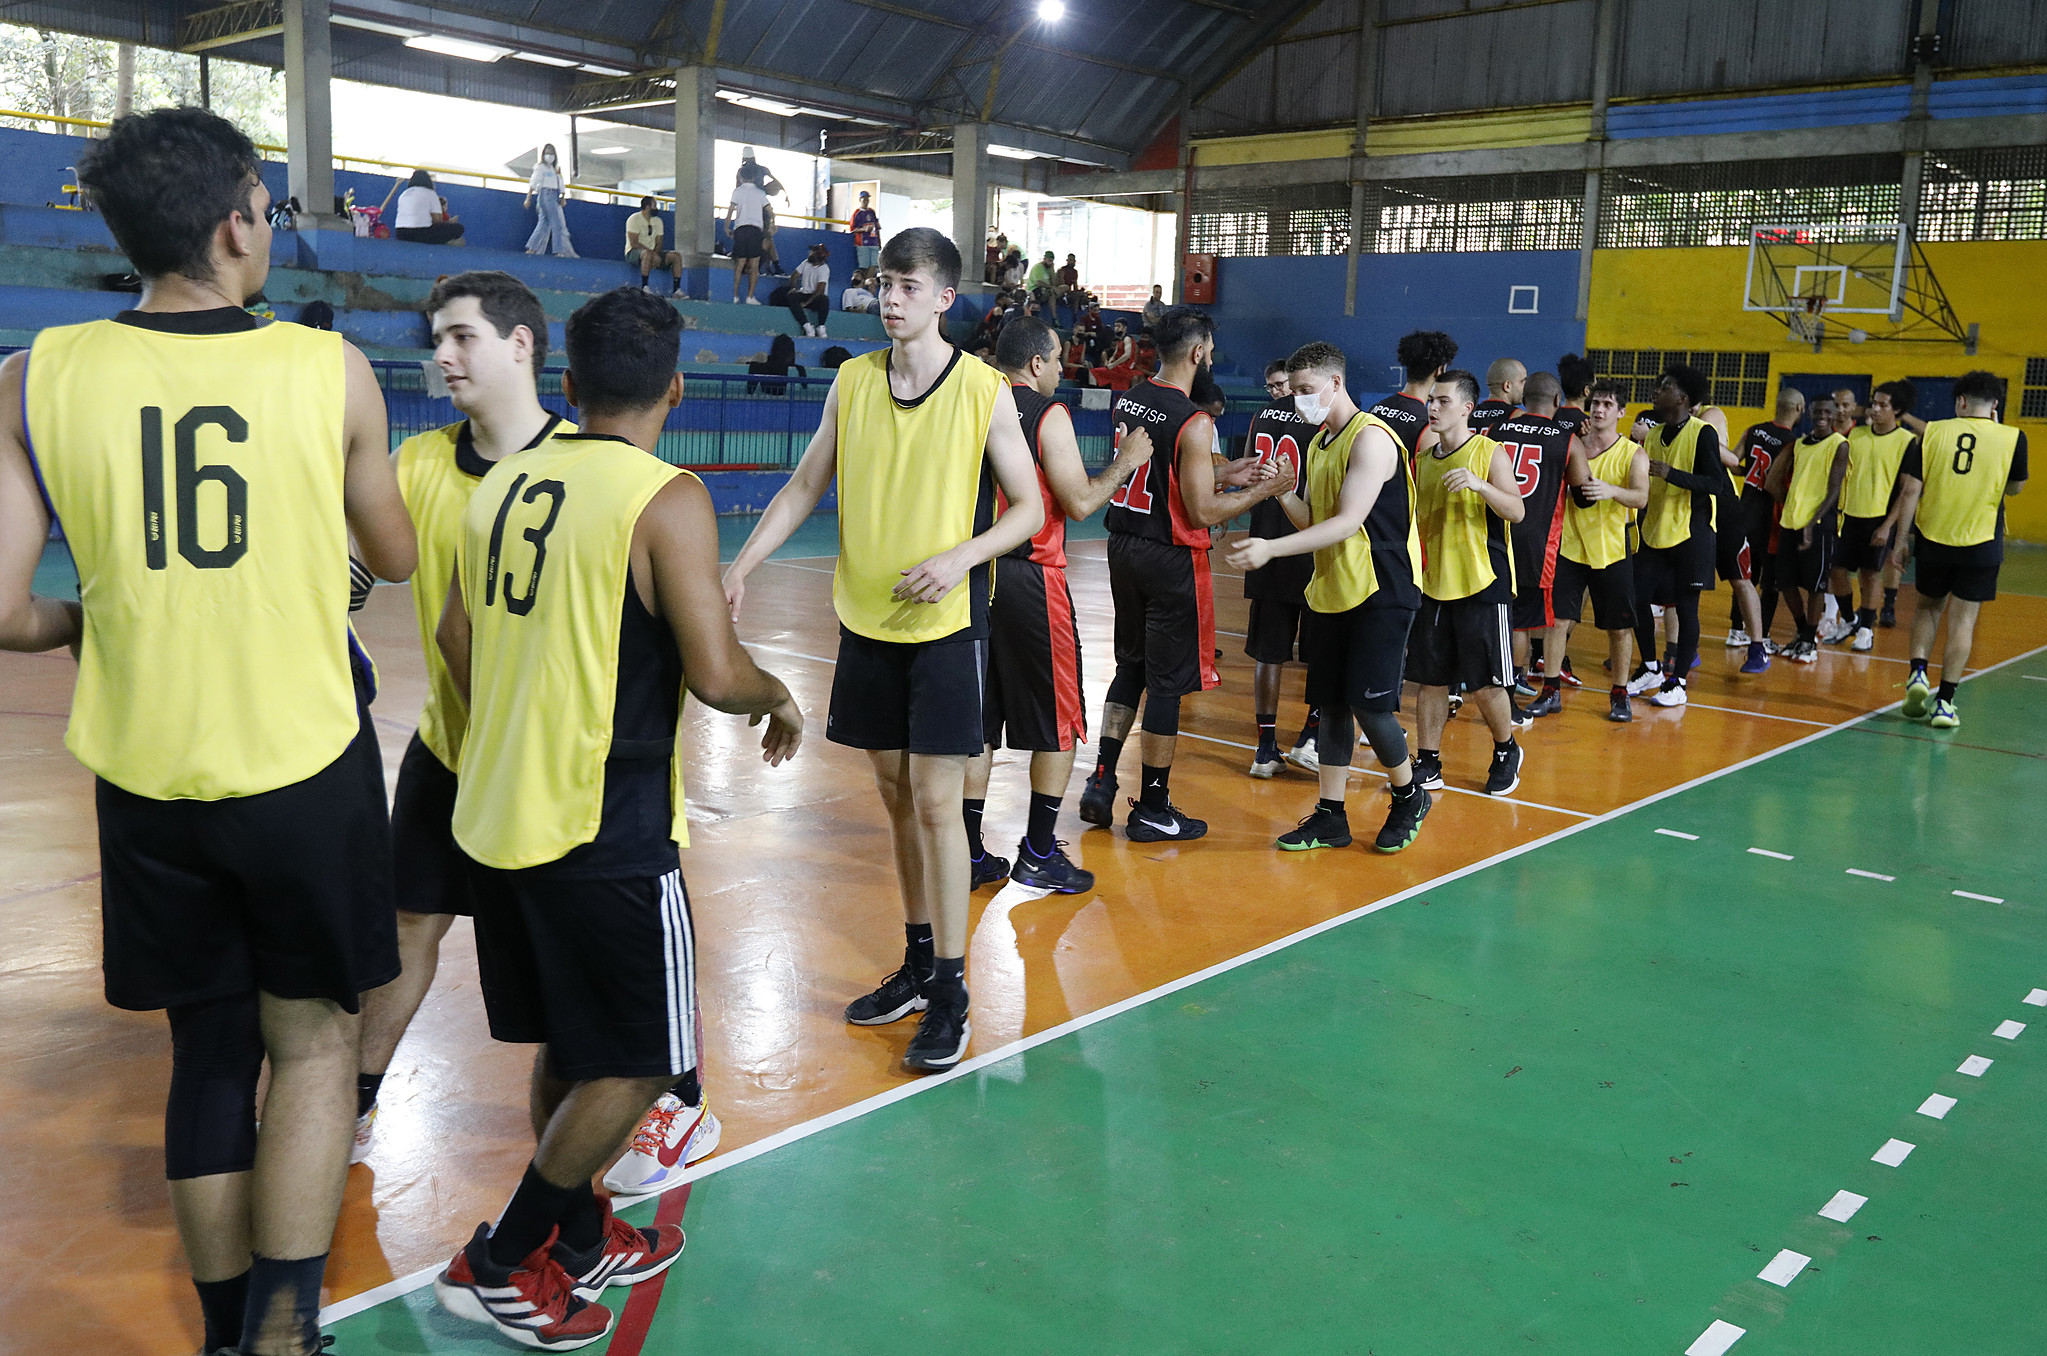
208,471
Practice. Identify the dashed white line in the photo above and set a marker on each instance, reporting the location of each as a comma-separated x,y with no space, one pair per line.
2037,998
1986,899
1975,1066
2036,677
1673,833
1869,875
1894,1152
1716,1339
1784,1268
1843,1206
2009,1030
1937,1106
1765,852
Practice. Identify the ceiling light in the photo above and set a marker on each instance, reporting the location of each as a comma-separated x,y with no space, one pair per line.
372,26
1051,11
1012,153
543,59
598,68
458,47
760,105
612,150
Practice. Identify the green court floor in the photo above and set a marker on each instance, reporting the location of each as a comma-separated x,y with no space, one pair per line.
1573,1101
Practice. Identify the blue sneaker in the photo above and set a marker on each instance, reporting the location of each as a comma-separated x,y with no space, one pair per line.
989,868
1758,658
1056,873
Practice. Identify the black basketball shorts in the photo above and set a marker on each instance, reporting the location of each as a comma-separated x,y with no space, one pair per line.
1940,571
1464,641
1858,547
602,972
1612,588
1804,566
432,872
1165,614
286,891
1274,632
921,696
1357,658
1033,691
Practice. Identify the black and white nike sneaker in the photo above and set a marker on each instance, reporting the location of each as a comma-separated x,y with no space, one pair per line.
1161,824
901,994
942,1035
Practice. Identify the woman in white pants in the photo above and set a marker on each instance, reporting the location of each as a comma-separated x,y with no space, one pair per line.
551,229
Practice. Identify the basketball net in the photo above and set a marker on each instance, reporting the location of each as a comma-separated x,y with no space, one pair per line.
1808,322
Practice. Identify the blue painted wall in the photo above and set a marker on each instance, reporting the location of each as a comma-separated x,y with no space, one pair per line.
1269,307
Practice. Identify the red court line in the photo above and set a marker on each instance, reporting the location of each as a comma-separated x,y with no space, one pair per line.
631,1332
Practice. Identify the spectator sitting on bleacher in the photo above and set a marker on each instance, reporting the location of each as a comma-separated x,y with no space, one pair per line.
1075,366
811,294
643,241
859,295
780,362
422,216
546,186
998,251
1013,268
1118,371
1154,309
1040,281
1068,291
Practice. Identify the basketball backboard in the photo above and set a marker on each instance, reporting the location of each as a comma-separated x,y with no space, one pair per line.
1870,277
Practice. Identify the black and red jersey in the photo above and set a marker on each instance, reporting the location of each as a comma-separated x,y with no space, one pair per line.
1489,412
1279,434
1572,418
1048,546
1149,503
1537,448
1759,447
1406,415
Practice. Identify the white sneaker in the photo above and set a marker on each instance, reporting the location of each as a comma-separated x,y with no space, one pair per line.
1803,652
1265,771
809,330
365,1131
1305,757
670,1138
1830,610
1737,639
1651,679
1672,695
753,301
1836,631
1865,639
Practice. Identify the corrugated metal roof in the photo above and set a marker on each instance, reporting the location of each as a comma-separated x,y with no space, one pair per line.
1513,58
1686,46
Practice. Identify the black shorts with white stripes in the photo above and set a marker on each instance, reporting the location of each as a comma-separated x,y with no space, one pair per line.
603,972
1464,641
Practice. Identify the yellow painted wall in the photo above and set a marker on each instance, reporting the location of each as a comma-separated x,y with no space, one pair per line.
1280,146
1691,299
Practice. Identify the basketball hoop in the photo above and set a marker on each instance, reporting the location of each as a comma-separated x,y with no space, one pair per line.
1815,303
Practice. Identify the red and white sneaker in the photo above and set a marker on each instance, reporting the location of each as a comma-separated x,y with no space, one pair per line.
534,1303
670,1138
626,1256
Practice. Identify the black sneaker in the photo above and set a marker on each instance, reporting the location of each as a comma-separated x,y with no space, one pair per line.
1403,821
1428,770
1506,773
989,868
1619,710
1098,799
1550,703
901,994
1161,824
1055,873
1889,615
1519,716
941,1037
1322,828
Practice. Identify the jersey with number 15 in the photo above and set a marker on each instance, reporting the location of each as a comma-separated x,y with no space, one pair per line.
198,479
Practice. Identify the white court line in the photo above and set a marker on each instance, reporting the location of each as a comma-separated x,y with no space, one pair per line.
1374,772
1784,1268
1975,1066
2009,1030
778,649
717,1163
1765,852
1673,833
1715,1340
2037,998
1869,875
1937,1106
1894,1152
1761,715
2035,677
1843,1206
1986,899
791,565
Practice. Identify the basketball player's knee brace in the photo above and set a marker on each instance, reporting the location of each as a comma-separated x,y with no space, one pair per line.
1335,737
1161,715
209,1124
1388,740
1127,687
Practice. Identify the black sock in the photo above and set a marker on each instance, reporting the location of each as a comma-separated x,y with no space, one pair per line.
1431,755
1309,726
970,810
949,977
1268,734
1502,745
1039,832
688,1089
1330,807
1891,598
1806,632
1154,792
583,1226
1947,691
530,1216
1865,618
1413,787
1108,751
1845,602
223,1304
1670,659
293,1283
1918,669
366,1089
917,955
1555,684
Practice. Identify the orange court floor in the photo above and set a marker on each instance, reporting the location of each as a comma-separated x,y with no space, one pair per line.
796,911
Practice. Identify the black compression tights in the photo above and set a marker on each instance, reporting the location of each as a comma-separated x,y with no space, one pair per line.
1647,637
1338,739
209,1123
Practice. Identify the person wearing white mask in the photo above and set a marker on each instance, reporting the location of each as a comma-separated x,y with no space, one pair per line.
551,231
